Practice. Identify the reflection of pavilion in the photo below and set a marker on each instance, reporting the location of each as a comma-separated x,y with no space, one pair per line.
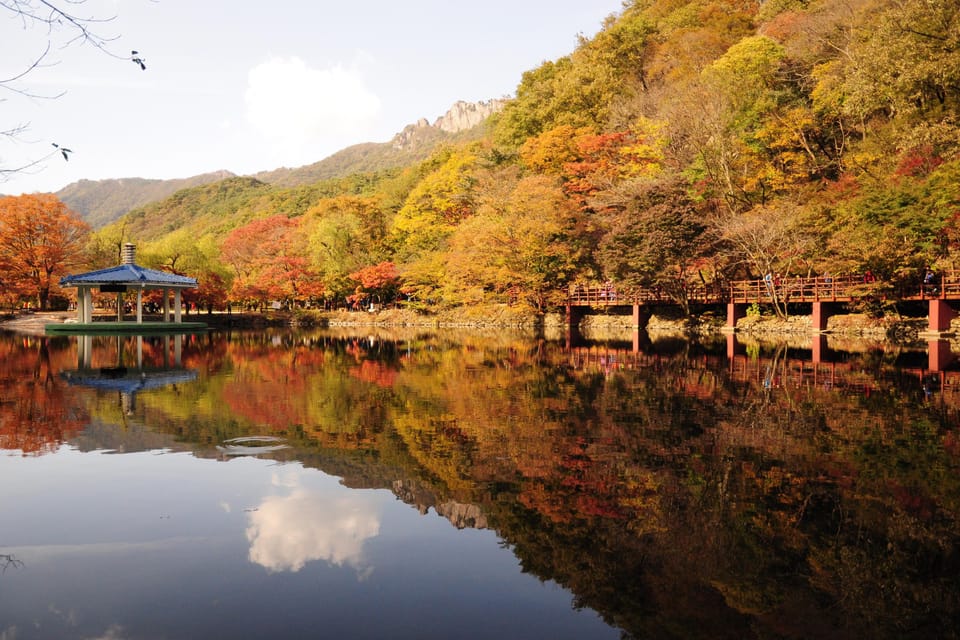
125,277
129,379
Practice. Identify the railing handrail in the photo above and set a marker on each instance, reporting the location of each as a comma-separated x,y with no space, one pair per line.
783,289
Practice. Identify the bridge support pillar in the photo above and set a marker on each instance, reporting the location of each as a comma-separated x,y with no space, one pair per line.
938,355
735,311
574,315
734,347
821,313
641,316
941,313
818,349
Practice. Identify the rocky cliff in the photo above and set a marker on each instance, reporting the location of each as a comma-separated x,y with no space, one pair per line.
462,116
466,115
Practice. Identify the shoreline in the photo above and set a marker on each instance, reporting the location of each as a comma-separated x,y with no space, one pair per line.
889,330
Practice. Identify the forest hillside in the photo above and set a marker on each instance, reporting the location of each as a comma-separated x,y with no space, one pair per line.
688,142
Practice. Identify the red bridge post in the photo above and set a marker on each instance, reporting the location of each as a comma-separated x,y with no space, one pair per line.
735,311
941,313
641,316
938,355
821,313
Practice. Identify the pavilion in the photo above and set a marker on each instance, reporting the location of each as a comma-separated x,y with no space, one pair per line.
128,276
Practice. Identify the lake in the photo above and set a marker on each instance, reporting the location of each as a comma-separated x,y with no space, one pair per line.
466,485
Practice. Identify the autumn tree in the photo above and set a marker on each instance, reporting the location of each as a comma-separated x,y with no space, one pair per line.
526,251
774,239
656,238
736,93
379,282
40,241
268,256
344,234
436,205
579,90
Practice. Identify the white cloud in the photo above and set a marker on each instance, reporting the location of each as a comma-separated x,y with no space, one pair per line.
286,532
300,109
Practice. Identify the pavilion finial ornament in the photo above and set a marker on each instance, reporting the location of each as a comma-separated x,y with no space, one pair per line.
129,253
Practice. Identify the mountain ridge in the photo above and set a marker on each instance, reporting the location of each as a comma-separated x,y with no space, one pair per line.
100,202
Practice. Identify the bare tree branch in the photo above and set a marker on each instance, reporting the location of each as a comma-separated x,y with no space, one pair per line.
63,18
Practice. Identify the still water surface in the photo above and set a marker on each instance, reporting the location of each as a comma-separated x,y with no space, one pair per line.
293,485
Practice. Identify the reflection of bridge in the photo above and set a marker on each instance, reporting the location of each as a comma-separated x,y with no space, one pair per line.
824,294
787,370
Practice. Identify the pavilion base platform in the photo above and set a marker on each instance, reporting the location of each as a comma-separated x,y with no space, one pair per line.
128,328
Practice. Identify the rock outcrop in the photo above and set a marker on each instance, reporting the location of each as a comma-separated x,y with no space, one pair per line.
466,115
462,116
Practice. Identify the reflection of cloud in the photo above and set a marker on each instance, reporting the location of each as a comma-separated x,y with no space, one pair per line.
113,632
286,532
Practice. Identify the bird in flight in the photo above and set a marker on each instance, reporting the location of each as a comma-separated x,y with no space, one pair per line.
63,150
138,60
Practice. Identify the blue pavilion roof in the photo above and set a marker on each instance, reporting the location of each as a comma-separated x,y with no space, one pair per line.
129,381
128,274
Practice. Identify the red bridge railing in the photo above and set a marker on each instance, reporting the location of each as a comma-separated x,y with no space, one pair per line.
792,289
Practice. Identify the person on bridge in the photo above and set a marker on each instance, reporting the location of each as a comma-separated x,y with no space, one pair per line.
930,281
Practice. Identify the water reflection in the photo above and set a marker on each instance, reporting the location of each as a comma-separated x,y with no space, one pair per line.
127,380
682,489
301,525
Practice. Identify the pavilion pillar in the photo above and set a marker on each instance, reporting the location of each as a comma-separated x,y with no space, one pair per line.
140,305
87,305
166,304
81,298
176,305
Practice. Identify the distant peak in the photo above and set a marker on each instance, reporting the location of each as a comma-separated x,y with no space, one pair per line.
460,117
466,115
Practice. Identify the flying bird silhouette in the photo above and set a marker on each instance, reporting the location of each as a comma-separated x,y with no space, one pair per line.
63,150
138,60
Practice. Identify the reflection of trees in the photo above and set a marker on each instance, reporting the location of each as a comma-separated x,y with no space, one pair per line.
670,494
37,413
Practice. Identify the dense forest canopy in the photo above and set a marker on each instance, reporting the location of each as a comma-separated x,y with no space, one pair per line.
688,142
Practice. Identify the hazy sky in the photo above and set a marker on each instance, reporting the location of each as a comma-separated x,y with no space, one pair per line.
250,86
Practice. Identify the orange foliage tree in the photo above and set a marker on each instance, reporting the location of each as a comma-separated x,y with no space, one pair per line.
268,256
379,281
40,239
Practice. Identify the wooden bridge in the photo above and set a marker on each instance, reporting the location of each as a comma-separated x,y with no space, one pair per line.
825,294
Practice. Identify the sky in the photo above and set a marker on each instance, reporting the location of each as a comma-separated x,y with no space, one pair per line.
251,86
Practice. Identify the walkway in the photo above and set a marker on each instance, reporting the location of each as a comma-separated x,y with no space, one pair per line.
822,292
